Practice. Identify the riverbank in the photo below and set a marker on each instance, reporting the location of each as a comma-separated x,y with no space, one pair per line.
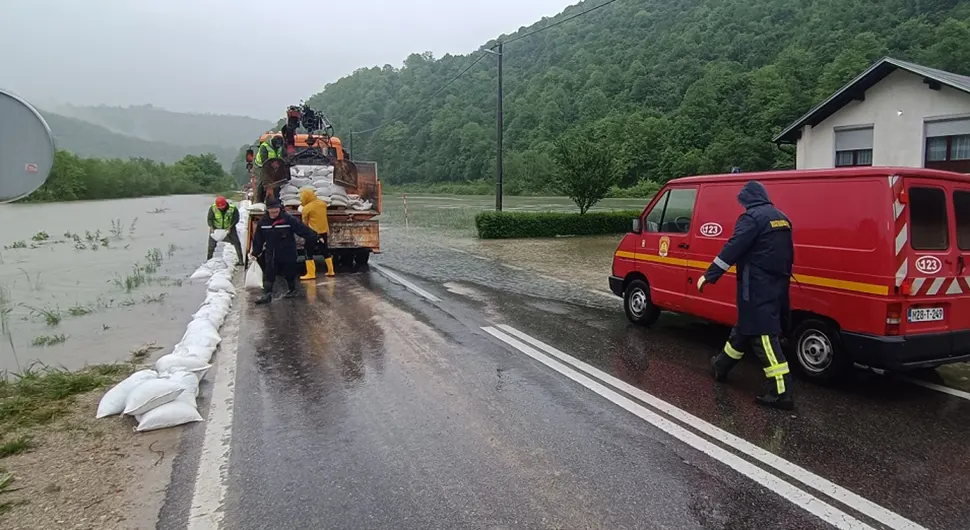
643,190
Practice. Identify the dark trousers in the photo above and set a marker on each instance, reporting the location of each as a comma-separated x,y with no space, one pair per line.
768,350
233,238
285,269
321,247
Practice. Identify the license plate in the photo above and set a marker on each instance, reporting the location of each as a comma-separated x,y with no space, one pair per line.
926,314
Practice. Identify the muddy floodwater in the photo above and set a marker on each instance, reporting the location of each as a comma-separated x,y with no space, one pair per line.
92,282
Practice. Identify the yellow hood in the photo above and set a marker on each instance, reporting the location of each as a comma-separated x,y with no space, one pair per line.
307,196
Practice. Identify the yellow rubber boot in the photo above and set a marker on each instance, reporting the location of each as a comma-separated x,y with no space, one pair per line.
311,270
329,262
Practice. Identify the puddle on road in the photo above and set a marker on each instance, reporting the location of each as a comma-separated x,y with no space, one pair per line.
78,287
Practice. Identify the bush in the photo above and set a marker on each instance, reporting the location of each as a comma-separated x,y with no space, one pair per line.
508,225
645,189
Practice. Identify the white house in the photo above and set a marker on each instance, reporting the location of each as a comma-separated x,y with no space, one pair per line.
894,114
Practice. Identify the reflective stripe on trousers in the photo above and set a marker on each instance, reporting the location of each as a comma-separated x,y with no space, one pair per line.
775,369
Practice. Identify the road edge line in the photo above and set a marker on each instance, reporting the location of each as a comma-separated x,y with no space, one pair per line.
810,479
211,479
787,491
406,284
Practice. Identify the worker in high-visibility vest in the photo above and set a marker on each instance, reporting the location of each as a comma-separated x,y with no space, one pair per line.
268,150
223,216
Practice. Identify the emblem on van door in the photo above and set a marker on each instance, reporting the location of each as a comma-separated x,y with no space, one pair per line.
711,229
929,264
664,246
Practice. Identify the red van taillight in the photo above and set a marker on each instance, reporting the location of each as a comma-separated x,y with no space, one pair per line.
894,316
906,289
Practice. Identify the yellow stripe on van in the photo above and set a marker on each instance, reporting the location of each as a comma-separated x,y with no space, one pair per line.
816,281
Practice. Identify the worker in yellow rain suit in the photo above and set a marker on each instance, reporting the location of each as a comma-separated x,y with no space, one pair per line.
315,216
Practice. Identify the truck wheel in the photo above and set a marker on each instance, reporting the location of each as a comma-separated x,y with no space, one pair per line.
817,348
636,301
362,258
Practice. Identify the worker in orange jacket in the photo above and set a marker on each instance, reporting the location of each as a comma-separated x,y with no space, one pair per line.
315,216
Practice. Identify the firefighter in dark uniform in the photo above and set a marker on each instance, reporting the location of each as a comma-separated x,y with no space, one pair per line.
274,248
761,247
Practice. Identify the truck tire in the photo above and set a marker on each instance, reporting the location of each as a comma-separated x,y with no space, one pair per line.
362,258
817,350
636,301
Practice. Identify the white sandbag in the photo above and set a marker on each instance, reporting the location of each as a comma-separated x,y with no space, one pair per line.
292,202
229,256
220,283
219,234
321,183
258,207
201,273
201,332
172,363
289,188
223,300
300,182
362,206
196,351
214,314
170,414
254,276
114,400
150,394
215,264
190,386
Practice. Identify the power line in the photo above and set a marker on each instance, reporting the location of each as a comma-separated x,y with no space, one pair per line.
440,90
563,21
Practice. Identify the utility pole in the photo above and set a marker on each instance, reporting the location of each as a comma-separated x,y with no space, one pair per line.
499,134
351,145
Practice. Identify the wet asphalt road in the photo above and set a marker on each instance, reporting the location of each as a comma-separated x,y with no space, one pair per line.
364,405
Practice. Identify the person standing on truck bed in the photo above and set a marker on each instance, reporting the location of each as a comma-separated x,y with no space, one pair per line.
268,150
762,248
223,216
315,216
274,248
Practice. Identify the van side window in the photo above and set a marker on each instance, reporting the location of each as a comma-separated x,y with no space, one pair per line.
679,211
656,215
927,219
961,209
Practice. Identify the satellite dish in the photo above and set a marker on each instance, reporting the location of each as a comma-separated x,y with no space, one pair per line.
26,148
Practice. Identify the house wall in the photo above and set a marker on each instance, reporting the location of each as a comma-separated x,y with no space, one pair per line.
898,139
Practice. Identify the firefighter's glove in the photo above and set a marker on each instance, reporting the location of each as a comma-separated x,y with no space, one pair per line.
700,284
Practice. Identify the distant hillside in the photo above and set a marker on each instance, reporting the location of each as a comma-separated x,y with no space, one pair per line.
159,125
90,140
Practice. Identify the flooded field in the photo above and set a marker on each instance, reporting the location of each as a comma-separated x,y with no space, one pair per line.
92,282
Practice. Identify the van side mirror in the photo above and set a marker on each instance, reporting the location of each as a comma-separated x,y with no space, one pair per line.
636,226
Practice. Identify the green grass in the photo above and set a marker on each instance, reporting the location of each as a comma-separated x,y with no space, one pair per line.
41,236
80,311
20,444
16,244
49,340
41,394
51,315
144,352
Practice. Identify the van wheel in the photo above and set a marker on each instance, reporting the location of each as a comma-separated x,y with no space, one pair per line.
817,347
636,300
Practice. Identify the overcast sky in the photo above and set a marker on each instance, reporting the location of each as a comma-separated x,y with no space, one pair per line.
208,55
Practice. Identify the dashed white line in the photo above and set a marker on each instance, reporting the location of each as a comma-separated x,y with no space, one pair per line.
793,494
211,479
836,492
406,284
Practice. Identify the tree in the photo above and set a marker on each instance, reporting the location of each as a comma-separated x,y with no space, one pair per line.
586,170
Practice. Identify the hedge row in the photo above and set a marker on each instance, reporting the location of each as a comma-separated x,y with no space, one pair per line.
507,225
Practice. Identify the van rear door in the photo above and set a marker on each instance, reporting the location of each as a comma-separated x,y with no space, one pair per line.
960,319
932,271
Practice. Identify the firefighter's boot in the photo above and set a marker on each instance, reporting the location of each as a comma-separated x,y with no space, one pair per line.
311,270
329,262
267,296
721,365
772,398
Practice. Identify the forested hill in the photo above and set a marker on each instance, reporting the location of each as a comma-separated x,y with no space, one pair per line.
672,87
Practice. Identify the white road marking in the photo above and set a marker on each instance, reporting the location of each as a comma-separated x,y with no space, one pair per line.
787,491
825,486
513,267
611,296
211,479
407,285
939,388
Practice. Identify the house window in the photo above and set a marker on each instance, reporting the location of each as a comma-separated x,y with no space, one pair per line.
853,147
948,145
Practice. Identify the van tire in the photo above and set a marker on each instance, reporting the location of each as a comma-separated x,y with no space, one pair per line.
637,304
817,350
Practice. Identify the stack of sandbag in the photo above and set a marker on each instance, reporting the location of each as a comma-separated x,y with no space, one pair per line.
166,396
290,195
207,269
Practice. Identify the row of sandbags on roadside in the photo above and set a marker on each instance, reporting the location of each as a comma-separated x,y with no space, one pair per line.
166,396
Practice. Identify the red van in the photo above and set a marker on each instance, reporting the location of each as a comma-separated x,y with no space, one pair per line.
881,262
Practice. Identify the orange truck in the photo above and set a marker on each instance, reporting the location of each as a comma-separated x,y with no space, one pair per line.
354,233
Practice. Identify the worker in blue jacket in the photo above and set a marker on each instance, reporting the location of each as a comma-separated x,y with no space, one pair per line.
761,247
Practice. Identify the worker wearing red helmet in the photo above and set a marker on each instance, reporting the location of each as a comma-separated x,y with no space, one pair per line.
223,216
